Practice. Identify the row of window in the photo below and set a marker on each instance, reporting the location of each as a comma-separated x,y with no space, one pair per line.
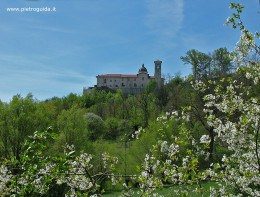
105,80
123,85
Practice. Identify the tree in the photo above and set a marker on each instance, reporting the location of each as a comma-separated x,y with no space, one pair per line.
179,93
66,174
207,66
95,126
221,60
17,120
151,87
73,127
200,63
111,129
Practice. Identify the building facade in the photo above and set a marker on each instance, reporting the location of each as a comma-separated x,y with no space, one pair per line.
131,83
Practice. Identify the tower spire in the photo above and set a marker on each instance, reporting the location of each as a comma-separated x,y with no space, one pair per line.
157,72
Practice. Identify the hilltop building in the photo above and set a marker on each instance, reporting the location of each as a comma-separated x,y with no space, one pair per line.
130,83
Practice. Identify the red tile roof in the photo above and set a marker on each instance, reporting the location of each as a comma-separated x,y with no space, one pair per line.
118,75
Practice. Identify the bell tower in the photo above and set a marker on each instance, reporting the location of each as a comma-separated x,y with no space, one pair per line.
158,72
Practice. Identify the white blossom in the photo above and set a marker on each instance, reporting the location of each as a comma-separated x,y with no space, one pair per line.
205,139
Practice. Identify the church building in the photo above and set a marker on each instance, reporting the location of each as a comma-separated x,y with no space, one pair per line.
131,83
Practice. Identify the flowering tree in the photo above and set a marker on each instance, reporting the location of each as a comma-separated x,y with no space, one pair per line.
232,110
173,160
37,173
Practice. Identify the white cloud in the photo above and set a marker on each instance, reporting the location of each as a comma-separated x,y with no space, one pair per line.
164,17
42,85
21,76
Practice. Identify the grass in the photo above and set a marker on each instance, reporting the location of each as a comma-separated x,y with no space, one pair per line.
169,191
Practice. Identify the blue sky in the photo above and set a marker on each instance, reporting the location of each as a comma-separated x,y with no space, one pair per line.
55,53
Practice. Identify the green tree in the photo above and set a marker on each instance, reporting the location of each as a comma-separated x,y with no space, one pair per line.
95,125
179,93
200,63
73,127
221,60
112,130
151,87
18,119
